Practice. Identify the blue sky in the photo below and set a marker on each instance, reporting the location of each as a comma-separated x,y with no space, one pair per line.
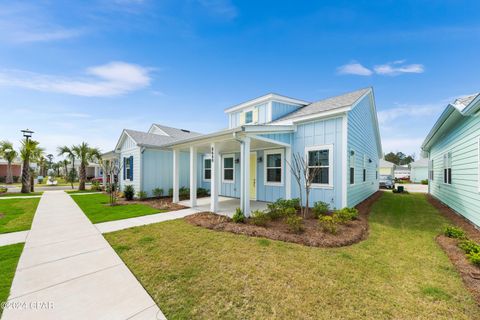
83,71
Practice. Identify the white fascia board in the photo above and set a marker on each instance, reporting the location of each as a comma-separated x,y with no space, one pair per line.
317,116
265,98
120,140
472,107
267,128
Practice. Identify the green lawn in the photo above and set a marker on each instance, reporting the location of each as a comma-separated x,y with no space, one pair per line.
80,191
9,256
17,214
96,208
18,194
398,272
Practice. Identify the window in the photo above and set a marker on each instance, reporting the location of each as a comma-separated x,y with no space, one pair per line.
431,172
128,168
447,168
228,169
249,116
352,167
365,167
319,160
273,167
207,169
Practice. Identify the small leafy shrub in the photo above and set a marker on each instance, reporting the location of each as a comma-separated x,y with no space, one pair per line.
259,218
295,223
424,182
474,258
328,224
3,189
469,246
202,192
129,192
274,211
345,215
170,192
157,192
320,208
96,186
184,192
142,195
454,232
283,208
238,217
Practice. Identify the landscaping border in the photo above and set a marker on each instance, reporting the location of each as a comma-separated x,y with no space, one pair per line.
355,231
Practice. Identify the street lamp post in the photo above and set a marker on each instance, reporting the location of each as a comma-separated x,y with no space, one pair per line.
27,182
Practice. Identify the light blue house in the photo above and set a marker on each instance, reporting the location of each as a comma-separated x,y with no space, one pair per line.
453,149
250,160
419,170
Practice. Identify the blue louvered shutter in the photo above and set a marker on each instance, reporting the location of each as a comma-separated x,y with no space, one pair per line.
131,168
124,168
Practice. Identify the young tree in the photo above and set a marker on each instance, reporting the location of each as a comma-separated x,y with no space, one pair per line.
112,169
85,154
8,153
29,152
305,177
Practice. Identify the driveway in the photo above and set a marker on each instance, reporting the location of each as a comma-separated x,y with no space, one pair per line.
414,187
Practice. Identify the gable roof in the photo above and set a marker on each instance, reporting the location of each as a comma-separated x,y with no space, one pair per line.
265,98
386,164
175,132
423,162
337,102
461,107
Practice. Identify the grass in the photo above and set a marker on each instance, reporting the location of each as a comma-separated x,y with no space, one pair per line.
96,208
398,272
17,214
9,256
19,194
80,191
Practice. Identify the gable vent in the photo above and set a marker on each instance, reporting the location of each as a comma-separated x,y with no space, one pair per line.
184,130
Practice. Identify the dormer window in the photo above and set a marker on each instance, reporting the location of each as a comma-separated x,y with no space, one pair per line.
249,117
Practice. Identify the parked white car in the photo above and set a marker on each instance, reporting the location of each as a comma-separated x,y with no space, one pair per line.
387,181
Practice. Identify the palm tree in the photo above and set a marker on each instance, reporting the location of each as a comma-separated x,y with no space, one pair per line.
85,154
68,152
8,153
29,152
42,165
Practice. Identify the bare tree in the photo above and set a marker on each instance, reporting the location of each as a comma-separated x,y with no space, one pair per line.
305,177
111,169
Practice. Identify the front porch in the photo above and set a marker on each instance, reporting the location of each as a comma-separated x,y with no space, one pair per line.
226,205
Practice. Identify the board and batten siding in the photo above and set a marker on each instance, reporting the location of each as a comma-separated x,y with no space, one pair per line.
127,149
362,140
280,109
463,194
234,117
318,133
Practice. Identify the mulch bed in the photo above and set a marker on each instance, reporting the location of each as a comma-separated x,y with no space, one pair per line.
469,272
157,203
350,233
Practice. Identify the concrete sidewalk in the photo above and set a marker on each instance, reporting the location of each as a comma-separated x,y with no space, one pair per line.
69,271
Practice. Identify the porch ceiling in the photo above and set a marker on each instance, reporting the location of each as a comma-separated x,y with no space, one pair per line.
232,145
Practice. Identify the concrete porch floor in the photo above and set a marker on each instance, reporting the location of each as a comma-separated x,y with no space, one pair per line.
226,205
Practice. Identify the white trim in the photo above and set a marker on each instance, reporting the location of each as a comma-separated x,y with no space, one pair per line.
328,147
345,165
350,166
269,112
447,165
176,176
282,167
264,99
288,173
224,156
335,113
256,174
478,163
193,176
206,157
283,144
214,184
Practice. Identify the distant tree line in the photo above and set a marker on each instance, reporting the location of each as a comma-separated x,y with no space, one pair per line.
400,158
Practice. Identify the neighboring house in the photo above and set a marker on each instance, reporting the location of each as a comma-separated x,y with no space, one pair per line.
387,168
16,169
250,160
93,170
146,163
453,149
419,170
402,172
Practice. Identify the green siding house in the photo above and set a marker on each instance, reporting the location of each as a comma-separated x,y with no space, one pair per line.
452,147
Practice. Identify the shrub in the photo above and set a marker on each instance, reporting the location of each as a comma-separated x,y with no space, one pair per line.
425,182
3,189
328,224
183,192
129,192
294,223
474,258
96,186
469,246
170,192
454,232
202,192
259,218
320,208
292,203
282,208
142,195
157,192
238,217
345,215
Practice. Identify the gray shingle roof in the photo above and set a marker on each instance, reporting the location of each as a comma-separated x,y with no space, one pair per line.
419,163
344,100
156,140
177,133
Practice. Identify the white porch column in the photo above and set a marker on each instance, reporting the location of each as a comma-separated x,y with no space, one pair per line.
215,177
242,174
193,176
176,175
288,173
246,177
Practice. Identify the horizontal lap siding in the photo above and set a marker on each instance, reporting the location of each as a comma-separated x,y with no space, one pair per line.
418,174
462,195
315,133
362,139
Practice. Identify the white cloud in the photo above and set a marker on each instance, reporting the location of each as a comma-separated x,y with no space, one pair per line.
386,117
223,8
398,67
111,79
354,68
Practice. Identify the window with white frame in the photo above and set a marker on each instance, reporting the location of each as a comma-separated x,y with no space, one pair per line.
319,160
431,172
352,167
447,168
207,169
273,173
249,117
364,168
228,168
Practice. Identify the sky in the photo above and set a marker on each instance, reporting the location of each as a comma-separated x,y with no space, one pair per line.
76,71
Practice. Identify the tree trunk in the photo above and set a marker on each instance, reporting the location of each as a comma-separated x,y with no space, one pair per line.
83,177
26,177
9,178
32,183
